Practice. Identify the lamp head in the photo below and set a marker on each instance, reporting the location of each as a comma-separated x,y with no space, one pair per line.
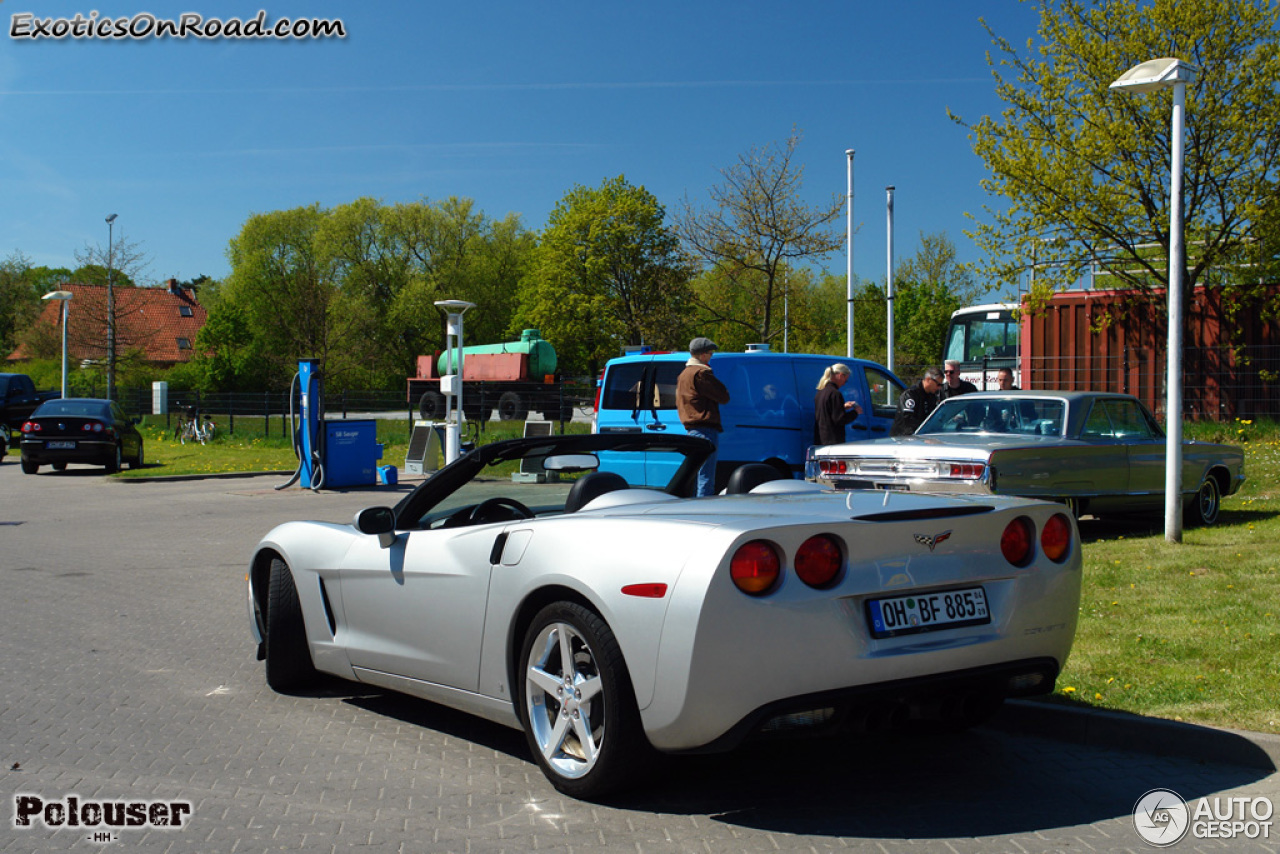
1155,74
111,219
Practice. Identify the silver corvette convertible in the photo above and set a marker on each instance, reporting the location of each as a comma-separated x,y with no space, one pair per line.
609,621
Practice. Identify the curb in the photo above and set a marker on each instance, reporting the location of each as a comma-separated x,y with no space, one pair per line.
175,478
1124,731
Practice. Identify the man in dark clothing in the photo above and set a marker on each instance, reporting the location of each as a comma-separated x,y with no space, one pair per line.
698,398
954,386
916,403
830,410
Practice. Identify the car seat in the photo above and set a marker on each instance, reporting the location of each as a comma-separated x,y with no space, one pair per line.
748,476
591,486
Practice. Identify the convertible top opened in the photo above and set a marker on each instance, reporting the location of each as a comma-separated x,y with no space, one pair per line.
609,620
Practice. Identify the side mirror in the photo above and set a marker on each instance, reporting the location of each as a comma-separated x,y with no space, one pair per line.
380,521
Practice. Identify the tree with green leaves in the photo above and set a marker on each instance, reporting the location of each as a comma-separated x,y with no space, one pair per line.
755,228
1083,171
927,288
607,273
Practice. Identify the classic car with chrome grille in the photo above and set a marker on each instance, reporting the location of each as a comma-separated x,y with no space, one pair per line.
529,583
1098,453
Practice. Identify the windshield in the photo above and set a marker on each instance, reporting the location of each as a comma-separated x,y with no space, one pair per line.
75,408
1020,416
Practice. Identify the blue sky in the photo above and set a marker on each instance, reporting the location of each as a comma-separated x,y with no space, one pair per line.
509,104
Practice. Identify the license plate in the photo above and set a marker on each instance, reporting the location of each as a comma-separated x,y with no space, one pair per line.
60,446
908,615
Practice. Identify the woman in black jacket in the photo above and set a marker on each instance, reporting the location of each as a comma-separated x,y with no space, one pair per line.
830,410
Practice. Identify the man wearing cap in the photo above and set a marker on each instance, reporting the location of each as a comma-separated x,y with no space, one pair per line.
698,398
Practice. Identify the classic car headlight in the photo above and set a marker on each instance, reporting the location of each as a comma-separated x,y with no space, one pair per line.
1055,539
818,560
755,567
1017,541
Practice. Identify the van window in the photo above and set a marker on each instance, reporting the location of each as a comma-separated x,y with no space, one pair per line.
622,391
666,374
884,391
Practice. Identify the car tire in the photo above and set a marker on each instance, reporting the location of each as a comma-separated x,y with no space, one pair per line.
592,743
512,407
29,467
431,406
137,462
289,665
114,464
1207,504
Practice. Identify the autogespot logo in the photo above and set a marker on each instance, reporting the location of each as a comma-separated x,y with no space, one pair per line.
1161,817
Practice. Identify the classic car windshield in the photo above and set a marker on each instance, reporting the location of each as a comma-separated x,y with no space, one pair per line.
1020,416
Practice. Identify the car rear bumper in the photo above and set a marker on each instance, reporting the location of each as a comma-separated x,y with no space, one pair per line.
93,452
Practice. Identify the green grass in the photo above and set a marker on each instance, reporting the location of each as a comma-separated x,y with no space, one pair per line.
1187,632
254,449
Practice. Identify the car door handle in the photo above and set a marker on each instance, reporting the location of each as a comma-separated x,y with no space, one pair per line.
858,427
879,430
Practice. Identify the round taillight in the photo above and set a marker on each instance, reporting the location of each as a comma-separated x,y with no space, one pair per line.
755,567
1017,540
1055,539
818,560
30,426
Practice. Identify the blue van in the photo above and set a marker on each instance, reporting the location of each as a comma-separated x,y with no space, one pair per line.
769,416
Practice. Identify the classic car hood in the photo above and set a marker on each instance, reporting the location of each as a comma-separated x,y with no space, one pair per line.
955,445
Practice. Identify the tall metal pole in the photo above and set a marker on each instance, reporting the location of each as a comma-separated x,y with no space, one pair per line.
888,276
111,311
1177,261
849,264
64,347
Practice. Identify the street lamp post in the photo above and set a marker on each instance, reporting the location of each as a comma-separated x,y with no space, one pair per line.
451,383
1149,76
111,312
63,297
888,276
849,262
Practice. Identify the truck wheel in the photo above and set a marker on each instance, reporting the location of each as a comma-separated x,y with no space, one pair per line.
512,407
431,406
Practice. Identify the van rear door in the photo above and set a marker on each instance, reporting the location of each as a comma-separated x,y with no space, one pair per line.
640,397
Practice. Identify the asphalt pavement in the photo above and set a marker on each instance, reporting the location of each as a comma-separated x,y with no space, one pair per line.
129,677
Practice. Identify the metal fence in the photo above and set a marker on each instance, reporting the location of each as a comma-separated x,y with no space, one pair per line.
267,413
1218,383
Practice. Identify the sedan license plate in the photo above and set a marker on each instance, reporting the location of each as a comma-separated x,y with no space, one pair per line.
60,446
908,615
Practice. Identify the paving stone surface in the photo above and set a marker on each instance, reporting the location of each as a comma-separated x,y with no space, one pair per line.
127,673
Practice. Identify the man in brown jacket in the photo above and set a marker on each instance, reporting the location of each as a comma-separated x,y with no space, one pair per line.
698,398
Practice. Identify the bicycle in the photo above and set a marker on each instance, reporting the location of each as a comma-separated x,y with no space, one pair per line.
195,428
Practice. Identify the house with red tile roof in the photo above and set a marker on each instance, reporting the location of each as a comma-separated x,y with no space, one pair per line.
161,323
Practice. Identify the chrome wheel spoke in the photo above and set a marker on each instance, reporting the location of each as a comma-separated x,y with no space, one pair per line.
553,747
588,688
582,727
543,681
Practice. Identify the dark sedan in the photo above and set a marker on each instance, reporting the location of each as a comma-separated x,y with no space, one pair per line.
80,430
